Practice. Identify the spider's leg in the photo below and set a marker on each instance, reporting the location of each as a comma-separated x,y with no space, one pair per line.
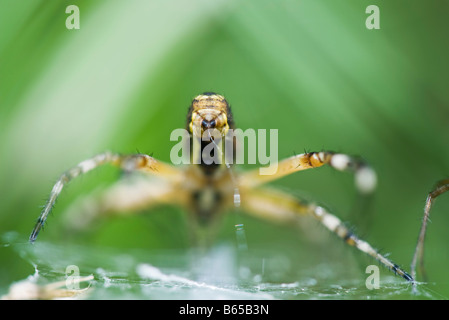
365,177
124,197
137,162
441,187
278,206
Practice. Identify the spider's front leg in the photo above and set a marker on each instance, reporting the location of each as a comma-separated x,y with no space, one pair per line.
275,205
365,177
278,206
136,162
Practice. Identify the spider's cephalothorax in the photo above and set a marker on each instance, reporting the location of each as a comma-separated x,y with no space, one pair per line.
208,187
209,110
208,122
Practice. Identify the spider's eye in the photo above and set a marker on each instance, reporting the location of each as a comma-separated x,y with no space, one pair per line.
208,124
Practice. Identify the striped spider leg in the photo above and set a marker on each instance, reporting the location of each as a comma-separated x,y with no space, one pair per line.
119,197
275,205
441,187
206,188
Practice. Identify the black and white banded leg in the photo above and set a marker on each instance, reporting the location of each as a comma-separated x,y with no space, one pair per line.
136,162
277,206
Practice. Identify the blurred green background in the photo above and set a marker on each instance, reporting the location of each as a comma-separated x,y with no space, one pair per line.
311,69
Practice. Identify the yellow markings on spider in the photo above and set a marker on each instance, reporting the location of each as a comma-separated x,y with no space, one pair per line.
207,189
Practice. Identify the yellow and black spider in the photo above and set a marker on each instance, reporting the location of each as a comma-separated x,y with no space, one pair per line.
207,189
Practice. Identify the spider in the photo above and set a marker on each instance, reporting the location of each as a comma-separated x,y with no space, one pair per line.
207,189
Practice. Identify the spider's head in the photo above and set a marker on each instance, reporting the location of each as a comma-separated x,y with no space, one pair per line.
209,111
